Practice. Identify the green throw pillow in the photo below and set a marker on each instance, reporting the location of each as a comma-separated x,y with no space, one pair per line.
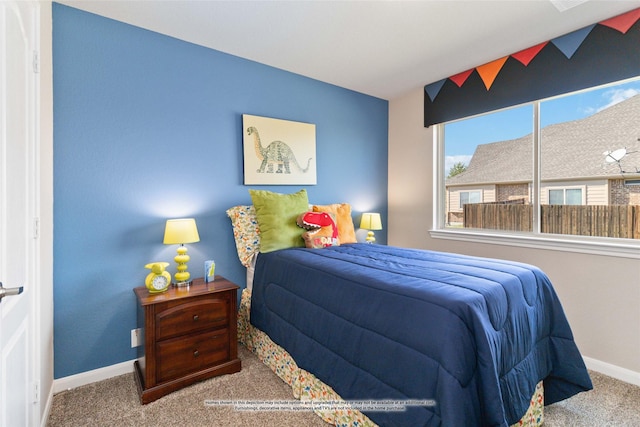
276,214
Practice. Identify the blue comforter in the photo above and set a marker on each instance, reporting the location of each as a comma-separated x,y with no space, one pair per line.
474,335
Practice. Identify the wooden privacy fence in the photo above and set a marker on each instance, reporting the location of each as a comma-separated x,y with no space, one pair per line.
622,221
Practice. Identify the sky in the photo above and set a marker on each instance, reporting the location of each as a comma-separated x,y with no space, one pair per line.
462,137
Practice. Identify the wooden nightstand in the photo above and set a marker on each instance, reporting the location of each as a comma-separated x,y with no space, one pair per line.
190,334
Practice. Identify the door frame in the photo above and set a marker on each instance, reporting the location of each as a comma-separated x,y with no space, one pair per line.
40,209
42,321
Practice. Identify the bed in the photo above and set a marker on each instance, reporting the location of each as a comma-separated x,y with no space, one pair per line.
463,340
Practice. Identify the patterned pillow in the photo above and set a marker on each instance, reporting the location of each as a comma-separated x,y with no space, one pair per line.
245,232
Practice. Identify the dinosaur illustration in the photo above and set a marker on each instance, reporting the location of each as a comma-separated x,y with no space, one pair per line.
277,152
321,227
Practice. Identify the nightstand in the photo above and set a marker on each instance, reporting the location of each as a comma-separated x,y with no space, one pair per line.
189,334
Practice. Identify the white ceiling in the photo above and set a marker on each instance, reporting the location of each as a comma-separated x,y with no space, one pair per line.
380,48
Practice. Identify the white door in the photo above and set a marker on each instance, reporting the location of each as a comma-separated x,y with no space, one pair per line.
18,189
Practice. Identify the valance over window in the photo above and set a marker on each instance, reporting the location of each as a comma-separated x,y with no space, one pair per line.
594,55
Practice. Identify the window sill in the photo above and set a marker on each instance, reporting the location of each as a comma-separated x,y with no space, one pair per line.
595,246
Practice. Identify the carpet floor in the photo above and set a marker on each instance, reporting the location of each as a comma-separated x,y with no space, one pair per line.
114,402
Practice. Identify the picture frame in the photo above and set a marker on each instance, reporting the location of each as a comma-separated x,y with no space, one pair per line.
278,152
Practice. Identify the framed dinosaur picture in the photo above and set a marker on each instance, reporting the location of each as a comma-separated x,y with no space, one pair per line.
278,152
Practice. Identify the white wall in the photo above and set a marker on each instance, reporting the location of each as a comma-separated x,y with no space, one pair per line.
410,173
600,294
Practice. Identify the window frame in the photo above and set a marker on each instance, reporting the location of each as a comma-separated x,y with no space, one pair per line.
564,189
627,248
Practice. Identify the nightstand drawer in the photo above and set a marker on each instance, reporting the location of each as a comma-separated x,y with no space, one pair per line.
188,317
183,355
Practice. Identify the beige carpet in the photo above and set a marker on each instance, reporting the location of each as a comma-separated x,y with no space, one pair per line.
114,402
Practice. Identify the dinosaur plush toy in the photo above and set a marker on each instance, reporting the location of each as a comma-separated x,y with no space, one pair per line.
321,229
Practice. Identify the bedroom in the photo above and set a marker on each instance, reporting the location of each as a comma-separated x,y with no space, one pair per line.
111,198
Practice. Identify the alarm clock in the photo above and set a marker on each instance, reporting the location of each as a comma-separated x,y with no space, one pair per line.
159,279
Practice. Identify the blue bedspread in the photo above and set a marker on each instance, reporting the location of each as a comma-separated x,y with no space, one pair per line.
375,322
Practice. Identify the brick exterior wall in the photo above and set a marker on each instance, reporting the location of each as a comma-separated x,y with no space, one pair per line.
620,194
504,193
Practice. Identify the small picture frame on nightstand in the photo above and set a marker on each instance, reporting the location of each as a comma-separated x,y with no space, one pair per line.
209,271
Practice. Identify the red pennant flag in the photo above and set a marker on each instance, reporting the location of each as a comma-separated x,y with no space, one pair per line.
460,78
622,22
525,56
488,72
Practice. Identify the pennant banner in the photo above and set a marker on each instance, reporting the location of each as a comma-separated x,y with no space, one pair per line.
489,72
525,56
460,78
622,23
567,44
434,88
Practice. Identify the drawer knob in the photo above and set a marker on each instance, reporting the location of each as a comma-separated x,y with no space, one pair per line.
195,317
196,353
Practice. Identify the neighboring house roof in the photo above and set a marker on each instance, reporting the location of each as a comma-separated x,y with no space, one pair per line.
570,150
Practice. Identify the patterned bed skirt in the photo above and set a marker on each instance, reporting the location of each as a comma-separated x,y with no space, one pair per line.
307,388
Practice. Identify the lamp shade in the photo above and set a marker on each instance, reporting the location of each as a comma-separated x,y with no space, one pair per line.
371,221
179,231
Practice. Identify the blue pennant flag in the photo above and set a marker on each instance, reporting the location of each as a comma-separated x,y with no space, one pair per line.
569,43
433,89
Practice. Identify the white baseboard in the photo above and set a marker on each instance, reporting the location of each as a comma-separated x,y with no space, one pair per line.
622,374
84,378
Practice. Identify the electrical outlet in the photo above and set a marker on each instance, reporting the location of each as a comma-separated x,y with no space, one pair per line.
136,335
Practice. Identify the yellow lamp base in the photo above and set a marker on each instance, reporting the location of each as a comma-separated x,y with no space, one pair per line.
182,276
371,238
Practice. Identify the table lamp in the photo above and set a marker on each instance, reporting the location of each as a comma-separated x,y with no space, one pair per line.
181,231
371,221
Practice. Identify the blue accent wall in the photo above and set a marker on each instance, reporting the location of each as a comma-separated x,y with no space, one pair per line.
148,127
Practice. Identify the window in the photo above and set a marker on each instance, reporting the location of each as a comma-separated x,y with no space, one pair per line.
565,196
573,196
470,197
556,197
556,166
